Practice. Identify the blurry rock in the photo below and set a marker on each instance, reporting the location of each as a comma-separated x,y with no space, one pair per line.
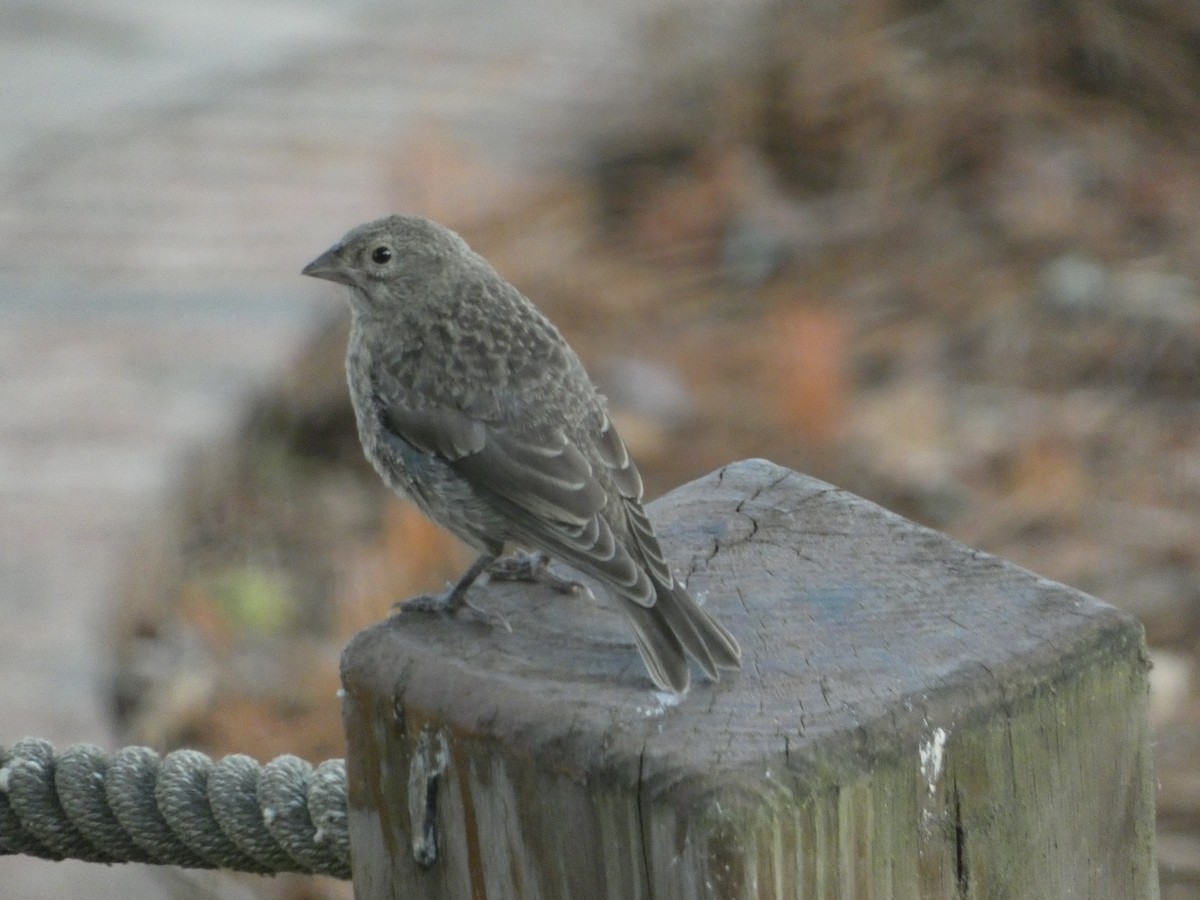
1075,285
899,437
647,401
751,252
1178,861
1177,768
1158,298
648,389
1170,685
1165,598
1039,189
645,436
162,682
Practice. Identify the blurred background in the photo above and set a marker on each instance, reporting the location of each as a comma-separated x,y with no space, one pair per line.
941,254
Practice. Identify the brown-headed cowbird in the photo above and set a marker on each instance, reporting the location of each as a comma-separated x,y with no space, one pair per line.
470,402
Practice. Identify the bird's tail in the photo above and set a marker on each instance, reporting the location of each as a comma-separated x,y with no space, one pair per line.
673,629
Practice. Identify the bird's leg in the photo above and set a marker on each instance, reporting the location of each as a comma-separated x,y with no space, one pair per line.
533,567
455,597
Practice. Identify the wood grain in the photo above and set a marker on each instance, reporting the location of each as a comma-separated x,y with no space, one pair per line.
914,719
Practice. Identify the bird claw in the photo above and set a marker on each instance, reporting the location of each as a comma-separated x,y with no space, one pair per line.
448,603
534,568
445,603
488,617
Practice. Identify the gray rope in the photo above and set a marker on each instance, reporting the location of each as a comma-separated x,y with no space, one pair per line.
181,810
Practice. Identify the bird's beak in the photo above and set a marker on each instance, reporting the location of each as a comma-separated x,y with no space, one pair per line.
328,266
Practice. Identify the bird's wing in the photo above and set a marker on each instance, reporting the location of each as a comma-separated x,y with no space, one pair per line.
548,478
546,488
615,456
628,481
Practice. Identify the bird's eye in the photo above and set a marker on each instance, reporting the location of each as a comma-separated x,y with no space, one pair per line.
381,254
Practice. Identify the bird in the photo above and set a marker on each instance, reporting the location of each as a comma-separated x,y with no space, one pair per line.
469,401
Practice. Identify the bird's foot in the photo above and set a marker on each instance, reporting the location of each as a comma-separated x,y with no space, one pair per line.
535,568
449,603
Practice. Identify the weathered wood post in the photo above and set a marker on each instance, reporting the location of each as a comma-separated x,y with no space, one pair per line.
914,719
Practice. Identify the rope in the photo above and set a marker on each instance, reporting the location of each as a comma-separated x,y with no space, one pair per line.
181,810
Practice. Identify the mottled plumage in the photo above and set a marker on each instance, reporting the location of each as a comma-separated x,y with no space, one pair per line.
470,402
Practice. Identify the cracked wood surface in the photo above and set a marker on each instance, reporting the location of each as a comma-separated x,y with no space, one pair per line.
913,719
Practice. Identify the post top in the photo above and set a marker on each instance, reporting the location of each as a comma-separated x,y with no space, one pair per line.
860,630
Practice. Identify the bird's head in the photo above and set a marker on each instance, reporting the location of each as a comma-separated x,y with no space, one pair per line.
391,260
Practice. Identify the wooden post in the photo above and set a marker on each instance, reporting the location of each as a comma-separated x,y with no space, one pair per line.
914,719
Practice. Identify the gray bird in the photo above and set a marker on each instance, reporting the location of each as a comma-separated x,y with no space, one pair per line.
470,402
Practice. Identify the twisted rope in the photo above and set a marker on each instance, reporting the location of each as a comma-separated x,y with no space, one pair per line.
181,810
